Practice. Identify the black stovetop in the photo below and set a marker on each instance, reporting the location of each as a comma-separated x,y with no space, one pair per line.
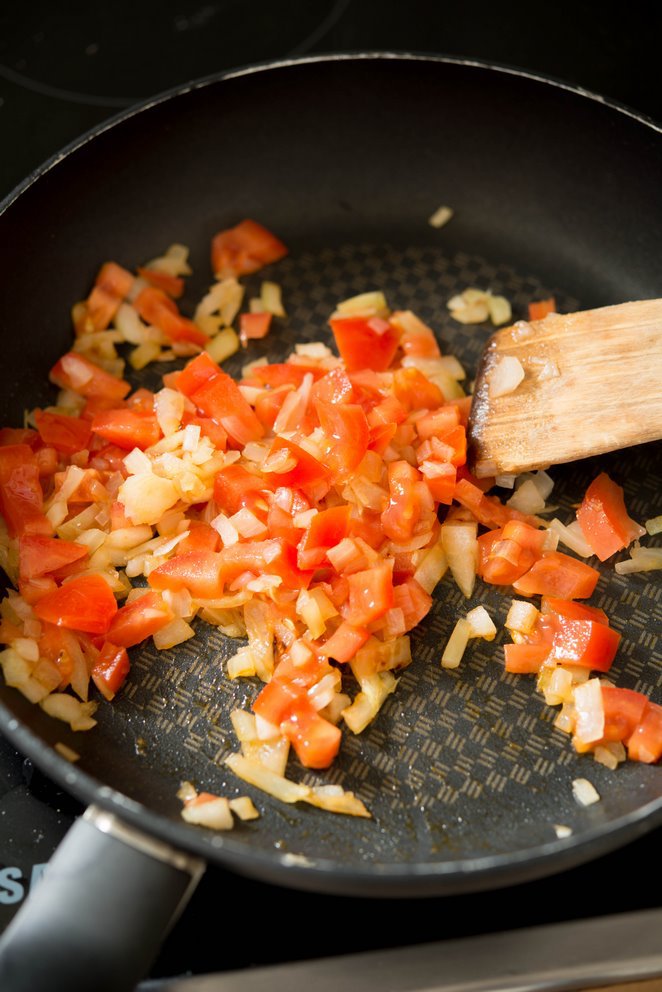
63,72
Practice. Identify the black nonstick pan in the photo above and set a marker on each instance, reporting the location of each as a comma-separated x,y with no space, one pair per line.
345,158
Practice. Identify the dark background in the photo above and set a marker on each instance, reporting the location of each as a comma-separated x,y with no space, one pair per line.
63,72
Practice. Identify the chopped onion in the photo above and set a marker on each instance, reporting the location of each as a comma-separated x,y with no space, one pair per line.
640,560
590,716
244,808
440,217
572,536
506,376
208,811
457,643
584,792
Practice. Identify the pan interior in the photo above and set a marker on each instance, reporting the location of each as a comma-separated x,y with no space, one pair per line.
461,766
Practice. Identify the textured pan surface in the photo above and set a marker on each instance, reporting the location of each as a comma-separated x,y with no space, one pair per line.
345,160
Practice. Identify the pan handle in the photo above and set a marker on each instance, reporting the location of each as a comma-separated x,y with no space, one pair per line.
101,911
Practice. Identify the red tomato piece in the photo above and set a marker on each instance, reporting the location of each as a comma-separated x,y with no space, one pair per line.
66,434
21,495
524,659
604,520
623,711
439,423
39,554
540,308
558,575
18,435
586,643
365,342
254,325
173,286
284,374
575,611
315,740
197,571
334,387
344,642
110,669
85,603
488,510
306,472
139,619
403,512
235,487
74,371
221,399
370,594
110,288
415,391
201,537
156,307
127,429
442,484
240,250
346,426
326,529
645,744
413,600
196,373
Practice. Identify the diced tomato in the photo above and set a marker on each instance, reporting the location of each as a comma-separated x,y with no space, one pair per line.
365,342
524,659
284,374
604,520
32,590
540,308
315,740
277,699
18,435
111,286
139,619
623,711
76,372
110,669
197,571
201,537
645,744
196,373
306,472
21,494
344,642
235,487
346,426
413,600
438,423
85,603
417,338
334,387
405,506
66,434
370,594
40,555
326,529
167,283
415,391
240,250
442,484
127,429
268,405
558,575
488,510
254,325
156,307
573,610
221,399
586,643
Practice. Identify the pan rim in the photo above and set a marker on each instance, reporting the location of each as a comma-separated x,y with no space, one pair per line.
402,878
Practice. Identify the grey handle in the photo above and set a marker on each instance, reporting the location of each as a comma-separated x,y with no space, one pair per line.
100,913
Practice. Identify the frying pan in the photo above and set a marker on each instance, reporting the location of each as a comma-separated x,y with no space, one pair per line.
554,191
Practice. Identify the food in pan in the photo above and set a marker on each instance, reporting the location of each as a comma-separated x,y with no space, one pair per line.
312,507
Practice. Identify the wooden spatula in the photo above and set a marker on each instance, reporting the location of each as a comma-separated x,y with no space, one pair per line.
591,382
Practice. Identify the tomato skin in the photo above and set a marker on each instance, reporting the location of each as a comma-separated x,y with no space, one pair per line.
254,325
110,287
326,529
575,611
365,342
584,643
413,600
85,603
196,373
525,659
243,249
558,575
127,429
488,510
139,619
40,554
110,669
201,537
173,286
604,520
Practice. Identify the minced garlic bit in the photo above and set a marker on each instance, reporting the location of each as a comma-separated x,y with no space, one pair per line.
584,792
440,217
473,306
